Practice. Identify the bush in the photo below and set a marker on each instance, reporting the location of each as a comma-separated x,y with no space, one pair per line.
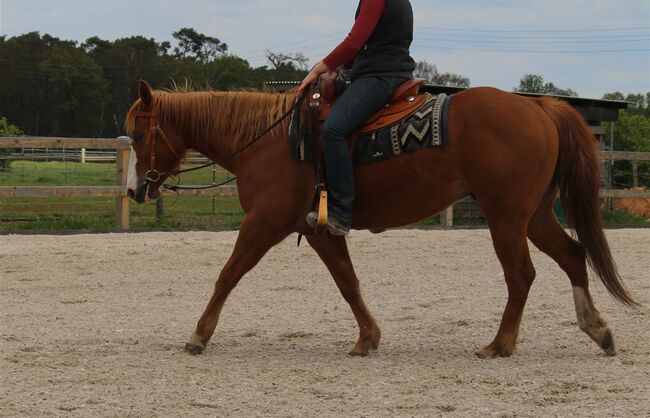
6,130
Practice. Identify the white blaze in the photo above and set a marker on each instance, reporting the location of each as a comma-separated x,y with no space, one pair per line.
132,177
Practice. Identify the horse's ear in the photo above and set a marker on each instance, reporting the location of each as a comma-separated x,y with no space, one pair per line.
144,91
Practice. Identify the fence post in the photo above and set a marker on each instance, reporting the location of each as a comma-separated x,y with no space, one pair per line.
122,202
160,209
447,217
610,167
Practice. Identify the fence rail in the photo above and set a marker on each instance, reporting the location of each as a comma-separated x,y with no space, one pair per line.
121,147
625,194
61,142
61,191
71,155
624,156
83,155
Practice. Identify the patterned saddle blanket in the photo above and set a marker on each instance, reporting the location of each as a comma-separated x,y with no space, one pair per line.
425,127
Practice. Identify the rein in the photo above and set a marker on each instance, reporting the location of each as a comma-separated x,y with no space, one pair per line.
153,175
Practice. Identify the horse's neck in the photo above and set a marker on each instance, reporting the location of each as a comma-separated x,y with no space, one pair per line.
218,152
222,144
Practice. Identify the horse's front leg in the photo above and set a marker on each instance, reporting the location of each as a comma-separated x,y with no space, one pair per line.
334,253
256,237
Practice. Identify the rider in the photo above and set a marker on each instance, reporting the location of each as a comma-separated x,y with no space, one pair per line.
377,53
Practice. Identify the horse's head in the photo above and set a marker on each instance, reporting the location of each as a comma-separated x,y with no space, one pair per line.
156,150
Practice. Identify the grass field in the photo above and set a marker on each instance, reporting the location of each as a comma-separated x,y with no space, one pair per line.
55,173
98,213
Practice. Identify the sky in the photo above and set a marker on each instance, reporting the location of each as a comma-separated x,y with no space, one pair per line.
590,46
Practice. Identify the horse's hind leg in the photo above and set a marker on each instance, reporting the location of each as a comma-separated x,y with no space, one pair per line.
334,253
511,246
547,235
255,238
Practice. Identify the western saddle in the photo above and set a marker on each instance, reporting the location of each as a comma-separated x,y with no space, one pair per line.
405,100
323,95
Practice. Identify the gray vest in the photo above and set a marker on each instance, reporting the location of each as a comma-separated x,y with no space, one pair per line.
386,54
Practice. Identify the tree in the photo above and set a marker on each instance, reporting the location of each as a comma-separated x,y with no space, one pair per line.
534,83
125,61
20,95
631,133
96,44
6,129
72,87
286,67
430,73
197,46
49,86
639,103
229,72
280,59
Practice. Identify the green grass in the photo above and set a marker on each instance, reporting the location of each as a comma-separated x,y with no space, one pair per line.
619,217
98,213
56,173
609,217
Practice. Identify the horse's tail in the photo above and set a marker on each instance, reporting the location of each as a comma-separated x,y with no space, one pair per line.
577,175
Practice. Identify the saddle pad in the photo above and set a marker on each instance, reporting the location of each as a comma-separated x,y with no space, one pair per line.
424,128
427,127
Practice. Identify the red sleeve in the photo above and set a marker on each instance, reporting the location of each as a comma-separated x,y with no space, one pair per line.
365,24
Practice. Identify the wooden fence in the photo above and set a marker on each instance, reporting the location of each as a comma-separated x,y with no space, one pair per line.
83,156
121,146
122,150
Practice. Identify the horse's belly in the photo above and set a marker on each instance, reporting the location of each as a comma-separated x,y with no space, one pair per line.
407,188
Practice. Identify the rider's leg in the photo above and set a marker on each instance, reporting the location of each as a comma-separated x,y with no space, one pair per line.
360,100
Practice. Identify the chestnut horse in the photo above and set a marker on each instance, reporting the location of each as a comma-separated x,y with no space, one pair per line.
512,153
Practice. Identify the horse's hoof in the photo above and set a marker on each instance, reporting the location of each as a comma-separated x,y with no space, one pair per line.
357,353
193,349
491,351
480,355
607,344
365,345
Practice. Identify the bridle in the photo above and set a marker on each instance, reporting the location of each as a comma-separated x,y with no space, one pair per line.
153,175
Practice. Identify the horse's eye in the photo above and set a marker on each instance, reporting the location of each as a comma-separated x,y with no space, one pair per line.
137,138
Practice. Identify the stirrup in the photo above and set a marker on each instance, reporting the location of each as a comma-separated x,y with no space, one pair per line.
322,209
333,226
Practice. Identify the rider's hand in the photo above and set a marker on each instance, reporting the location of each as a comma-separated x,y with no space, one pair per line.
317,70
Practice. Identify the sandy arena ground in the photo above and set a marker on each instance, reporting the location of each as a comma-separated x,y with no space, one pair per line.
94,325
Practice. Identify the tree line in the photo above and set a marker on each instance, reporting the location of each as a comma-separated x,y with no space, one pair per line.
55,87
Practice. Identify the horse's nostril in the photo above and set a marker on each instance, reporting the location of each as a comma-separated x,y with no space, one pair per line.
130,193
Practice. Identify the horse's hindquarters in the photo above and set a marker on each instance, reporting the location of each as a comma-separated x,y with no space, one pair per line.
508,148
503,148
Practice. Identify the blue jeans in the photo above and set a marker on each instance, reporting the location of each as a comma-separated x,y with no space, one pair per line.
363,97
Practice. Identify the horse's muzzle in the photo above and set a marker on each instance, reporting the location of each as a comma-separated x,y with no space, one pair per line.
140,192
144,192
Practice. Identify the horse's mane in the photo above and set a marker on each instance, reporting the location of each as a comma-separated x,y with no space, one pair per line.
205,116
